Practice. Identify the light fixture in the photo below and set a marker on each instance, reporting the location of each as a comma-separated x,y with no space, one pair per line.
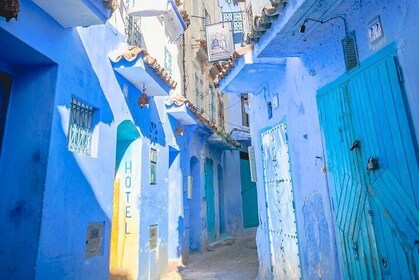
303,26
143,99
179,130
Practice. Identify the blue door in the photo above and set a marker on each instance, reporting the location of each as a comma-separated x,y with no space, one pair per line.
209,194
372,164
249,194
282,226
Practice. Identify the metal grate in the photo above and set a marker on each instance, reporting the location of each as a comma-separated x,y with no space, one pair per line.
220,111
132,28
167,61
236,18
212,105
350,51
80,131
199,92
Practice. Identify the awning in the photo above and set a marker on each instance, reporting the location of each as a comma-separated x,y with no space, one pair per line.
176,106
72,13
140,69
173,20
222,143
149,8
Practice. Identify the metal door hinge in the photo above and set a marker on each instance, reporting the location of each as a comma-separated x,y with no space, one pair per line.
399,71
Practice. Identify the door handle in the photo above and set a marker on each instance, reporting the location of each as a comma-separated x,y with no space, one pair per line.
355,145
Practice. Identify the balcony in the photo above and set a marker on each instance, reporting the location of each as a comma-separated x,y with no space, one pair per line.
72,13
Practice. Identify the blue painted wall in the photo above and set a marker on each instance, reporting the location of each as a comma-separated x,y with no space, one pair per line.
47,211
296,87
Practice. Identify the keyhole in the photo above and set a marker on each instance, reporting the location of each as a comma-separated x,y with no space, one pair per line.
384,261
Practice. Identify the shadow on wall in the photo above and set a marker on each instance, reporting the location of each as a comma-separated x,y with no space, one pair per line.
27,115
180,229
194,224
317,260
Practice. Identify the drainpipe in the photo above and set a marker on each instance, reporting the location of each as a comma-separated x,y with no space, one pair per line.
184,65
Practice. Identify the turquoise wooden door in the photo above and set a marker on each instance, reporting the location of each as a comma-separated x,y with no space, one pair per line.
249,194
209,194
375,211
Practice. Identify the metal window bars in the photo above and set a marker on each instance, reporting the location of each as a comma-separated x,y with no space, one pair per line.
80,132
167,61
132,27
236,18
199,92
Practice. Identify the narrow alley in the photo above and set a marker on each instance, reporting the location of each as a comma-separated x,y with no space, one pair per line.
209,139
232,259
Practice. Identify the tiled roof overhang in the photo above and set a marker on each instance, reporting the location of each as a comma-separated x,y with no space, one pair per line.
132,53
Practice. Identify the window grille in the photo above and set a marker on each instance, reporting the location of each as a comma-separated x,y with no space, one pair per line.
236,18
220,111
199,91
80,128
167,61
212,104
132,28
350,51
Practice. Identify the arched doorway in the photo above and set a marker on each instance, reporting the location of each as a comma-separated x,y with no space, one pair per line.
125,210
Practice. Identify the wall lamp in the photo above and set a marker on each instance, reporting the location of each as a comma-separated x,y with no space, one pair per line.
143,99
303,27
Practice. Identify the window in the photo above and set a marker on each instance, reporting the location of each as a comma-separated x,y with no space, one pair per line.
152,237
132,27
5,85
153,166
207,21
220,111
212,104
80,128
199,92
236,19
167,61
245,116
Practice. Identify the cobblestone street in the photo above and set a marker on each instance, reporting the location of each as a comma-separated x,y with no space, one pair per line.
232,262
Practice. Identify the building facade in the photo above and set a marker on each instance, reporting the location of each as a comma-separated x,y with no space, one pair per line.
111,110
333,118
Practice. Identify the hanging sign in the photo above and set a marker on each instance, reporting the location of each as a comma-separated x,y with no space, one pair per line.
219,41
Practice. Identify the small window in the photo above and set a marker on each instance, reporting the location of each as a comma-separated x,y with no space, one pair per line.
245,116
199,91
80,128
212,105
152,237
153,166
167,61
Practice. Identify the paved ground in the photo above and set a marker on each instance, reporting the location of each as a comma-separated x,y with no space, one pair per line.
233,262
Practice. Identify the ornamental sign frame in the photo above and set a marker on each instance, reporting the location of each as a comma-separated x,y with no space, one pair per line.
219,41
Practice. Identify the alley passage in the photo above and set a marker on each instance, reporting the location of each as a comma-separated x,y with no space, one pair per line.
238,261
